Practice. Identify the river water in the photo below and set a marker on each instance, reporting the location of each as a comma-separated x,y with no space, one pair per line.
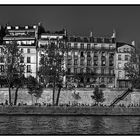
69,125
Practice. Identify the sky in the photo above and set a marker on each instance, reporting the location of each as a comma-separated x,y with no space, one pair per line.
79,20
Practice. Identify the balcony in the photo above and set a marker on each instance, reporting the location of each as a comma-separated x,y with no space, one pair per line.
95,57
75,56
69,57
89,57
82,57
32,44
103,57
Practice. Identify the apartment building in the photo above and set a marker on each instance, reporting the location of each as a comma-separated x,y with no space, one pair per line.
57,38
123,54
92,60
88,60
26,38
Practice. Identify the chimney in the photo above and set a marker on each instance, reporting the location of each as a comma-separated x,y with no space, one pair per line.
133,43
91,35
114,34
65,32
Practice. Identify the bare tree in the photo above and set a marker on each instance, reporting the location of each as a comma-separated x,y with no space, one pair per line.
52,68
98,95
14,70
132,68
34,88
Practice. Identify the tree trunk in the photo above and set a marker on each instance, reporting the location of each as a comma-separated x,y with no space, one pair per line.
32,99
53,100
58,95
36,100
9,95
16,95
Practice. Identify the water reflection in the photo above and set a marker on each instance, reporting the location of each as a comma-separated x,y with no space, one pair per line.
69,125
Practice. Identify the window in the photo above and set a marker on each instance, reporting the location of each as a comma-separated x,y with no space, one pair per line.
88,46
126,57
21,50
111,63
82,54
28,60
82,62
22,68
103,62
110,80
69,61
1,59
119,50
75,70
119,65
75,62
95,70
88,80
128,50
88,62
111,71
81,70
9,59
124,50
69,44
1,50
102,71
75,45
28,68
69,70
75,53
102,79
95,54
119,57
82,46
1,68
119,74
69,53
22,59
94,80
103,53
95,63
111,55
28,50
88,54
88,70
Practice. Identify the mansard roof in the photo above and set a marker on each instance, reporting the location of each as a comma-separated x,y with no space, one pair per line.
27,27
120,44
90,39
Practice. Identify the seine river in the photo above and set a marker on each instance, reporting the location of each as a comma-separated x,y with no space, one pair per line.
64,125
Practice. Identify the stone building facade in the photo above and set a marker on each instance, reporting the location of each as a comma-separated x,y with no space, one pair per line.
123,54
89,61
26,39
47,39
92,60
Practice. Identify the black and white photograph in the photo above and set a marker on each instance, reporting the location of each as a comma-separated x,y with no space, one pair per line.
69,69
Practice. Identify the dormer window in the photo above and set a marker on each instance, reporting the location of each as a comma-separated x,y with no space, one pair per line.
34,26
26,27
17,27
8,27
124,50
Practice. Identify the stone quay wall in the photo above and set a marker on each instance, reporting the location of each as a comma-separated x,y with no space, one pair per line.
75,111
66,97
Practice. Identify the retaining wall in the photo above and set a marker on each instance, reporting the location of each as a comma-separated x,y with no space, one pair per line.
66,96
32,110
